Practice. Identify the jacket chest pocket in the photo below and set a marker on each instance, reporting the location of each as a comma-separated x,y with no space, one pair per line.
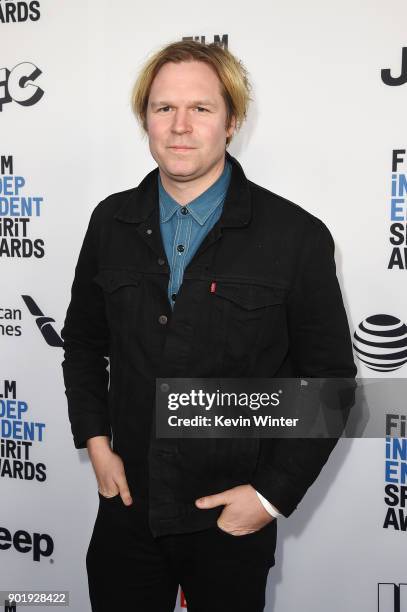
251,314
122,291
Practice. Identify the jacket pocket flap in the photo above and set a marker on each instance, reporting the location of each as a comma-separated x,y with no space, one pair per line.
110,279
251,296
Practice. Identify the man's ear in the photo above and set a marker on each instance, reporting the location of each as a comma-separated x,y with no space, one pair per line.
230,129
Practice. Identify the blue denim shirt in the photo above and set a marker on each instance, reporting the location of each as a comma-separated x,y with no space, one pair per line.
183,228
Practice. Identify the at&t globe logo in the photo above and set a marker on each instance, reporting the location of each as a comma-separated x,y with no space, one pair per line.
380,342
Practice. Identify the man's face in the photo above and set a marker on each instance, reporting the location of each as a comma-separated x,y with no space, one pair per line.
186,120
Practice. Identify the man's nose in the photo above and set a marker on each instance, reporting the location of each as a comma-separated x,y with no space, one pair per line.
181,123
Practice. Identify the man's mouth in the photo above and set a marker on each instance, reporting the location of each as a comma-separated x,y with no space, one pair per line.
181,148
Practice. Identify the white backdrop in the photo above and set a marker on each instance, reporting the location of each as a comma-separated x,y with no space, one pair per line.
321,132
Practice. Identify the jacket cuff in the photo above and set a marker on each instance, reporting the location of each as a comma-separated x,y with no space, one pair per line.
285,496
89,429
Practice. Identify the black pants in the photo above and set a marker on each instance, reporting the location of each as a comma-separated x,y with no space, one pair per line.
129,569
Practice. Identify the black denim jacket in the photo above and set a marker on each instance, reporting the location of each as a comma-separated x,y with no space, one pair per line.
277,311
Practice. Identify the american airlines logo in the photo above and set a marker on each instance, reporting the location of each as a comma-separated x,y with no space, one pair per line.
391,597
50,335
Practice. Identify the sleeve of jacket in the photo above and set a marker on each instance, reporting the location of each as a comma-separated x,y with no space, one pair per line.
86,345
320,347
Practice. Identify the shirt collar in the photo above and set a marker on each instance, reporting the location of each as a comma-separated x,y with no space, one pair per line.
140,203
201,207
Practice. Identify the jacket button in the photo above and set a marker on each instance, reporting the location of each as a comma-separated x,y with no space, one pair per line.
160,261
162,319
149,231
184,211
180,248
174,297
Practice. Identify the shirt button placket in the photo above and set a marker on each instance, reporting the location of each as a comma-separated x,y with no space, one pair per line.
181,249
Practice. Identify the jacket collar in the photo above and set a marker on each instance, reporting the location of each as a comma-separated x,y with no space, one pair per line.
144,199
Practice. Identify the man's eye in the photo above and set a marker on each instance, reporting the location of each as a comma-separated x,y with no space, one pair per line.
201,108
164,108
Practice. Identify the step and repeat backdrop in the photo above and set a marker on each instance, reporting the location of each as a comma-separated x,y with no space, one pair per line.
327,130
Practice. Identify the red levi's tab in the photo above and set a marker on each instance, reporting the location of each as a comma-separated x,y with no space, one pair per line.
183,601
213,287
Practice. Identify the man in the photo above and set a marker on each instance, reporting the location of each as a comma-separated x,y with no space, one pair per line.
197,272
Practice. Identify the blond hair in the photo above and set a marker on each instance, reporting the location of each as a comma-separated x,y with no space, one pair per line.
235,86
